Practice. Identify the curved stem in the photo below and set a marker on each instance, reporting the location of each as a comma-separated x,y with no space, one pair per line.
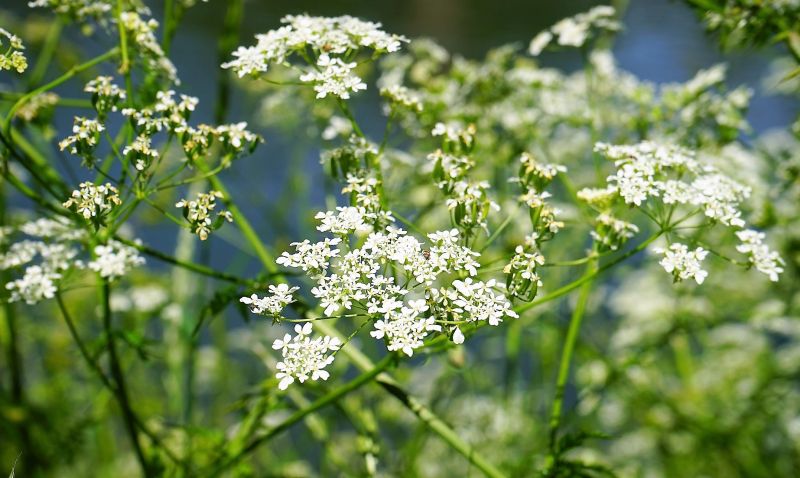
58,81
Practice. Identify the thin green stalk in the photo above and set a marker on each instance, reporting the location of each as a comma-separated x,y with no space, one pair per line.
266,258
321,402
119,379
227,43
587,277
95,367
423,413
192,266
566,362
125,66
46,54
58,81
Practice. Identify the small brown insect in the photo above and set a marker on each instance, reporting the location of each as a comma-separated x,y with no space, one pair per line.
426,254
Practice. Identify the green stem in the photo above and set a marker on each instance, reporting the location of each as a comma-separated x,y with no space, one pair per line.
192,266
587,277
58,81
247,229
321,402
46,54
423,413
119,379
95,367
227,42
566,362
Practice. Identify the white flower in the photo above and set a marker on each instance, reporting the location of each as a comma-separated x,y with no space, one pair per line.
91,201
458,336
760,255
334,77
322,35
304,358
249,60
311,257
36,284
12,57
115,259
346,220
86,132
140,152
478,302
404,329
539,42
271,306
682,263
200,213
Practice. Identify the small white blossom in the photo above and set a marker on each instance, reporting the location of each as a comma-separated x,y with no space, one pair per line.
346,220
36,284
404,329
760,255
334,77
91,201
304,358
199,213
682,263
311,257
115,259
273,305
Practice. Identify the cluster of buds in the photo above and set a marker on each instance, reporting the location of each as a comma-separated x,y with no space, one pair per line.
611,233
200,213
522,280
94,202
467,199
106,95
12,58
533,178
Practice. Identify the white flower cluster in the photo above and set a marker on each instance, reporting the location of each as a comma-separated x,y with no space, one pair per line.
468,200
683,263
760,255
140,153
304,358
273,305
673,175
331,41
92,201
78,10
39,107
54,248
404,329
522,280
366,281
346,220
83,141
575,31
533,178
115,259
334,77
172,115
199,213
142,34
12,58
647,169
106,95
401,97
